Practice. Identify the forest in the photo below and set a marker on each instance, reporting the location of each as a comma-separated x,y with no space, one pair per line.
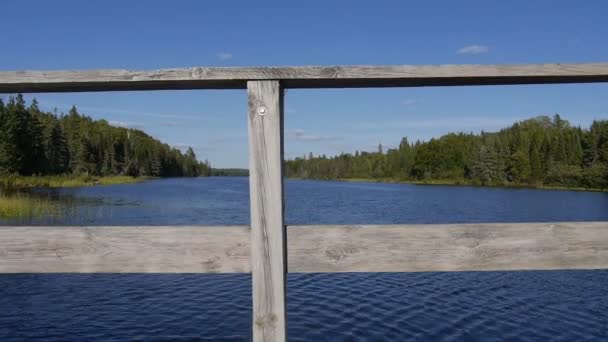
233,172
33,142
539,152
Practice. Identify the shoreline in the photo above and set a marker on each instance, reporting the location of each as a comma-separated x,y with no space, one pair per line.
14,203
455,183
28,182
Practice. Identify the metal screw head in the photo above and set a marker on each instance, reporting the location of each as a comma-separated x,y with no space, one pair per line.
262,110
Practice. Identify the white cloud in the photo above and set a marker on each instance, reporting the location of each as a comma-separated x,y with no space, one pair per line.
451,124
374,147
228,138
126,124
473,50
182,146
224,56
461,123
301,135
409,102
111,110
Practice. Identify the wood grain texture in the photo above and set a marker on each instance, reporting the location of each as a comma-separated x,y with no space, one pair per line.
28,81
125,249
268,241
390,248
456,247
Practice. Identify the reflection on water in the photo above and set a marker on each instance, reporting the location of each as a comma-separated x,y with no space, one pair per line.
65,205
218,200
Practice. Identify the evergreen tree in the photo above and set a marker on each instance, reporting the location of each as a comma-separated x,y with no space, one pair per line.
56,148
536,169
9,160
35,142
538,151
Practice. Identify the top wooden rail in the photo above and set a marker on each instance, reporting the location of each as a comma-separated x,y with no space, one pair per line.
300,77
311,249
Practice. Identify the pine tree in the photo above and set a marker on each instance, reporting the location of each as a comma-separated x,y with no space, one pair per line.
483,166
536,169
35,142
56,149
9,159
541,150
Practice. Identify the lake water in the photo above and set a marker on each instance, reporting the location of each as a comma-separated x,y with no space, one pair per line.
472,306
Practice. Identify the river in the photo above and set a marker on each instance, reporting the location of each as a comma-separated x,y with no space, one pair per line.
472,306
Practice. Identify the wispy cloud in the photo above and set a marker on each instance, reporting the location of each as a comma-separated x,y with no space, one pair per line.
228,139
112,110
375,147
136,113
301,135
181,146
169,124
224,56
409,102
473,50
454,124
126,124
460,123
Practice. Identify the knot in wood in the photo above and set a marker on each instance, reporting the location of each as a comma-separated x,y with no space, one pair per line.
266,321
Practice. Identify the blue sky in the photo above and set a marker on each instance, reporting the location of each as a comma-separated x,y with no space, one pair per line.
155,34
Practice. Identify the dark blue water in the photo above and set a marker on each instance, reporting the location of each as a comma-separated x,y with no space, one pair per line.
471,306
225,200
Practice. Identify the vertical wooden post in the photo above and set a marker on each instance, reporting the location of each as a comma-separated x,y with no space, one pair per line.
268,240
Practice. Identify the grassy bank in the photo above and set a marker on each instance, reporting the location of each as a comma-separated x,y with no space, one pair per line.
15,206
462,182
15,203
13,181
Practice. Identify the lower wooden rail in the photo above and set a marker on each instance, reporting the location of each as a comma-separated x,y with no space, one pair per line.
353,248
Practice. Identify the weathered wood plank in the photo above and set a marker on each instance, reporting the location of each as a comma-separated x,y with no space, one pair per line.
268,241
390,248
457,247
124,249
300,77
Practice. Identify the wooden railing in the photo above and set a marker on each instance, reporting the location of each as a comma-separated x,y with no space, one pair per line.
268,248
388,248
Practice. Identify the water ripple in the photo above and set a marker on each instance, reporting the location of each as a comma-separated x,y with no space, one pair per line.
461,306
472,306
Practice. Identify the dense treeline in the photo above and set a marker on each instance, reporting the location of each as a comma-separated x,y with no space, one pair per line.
542,151
33,142
229,172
